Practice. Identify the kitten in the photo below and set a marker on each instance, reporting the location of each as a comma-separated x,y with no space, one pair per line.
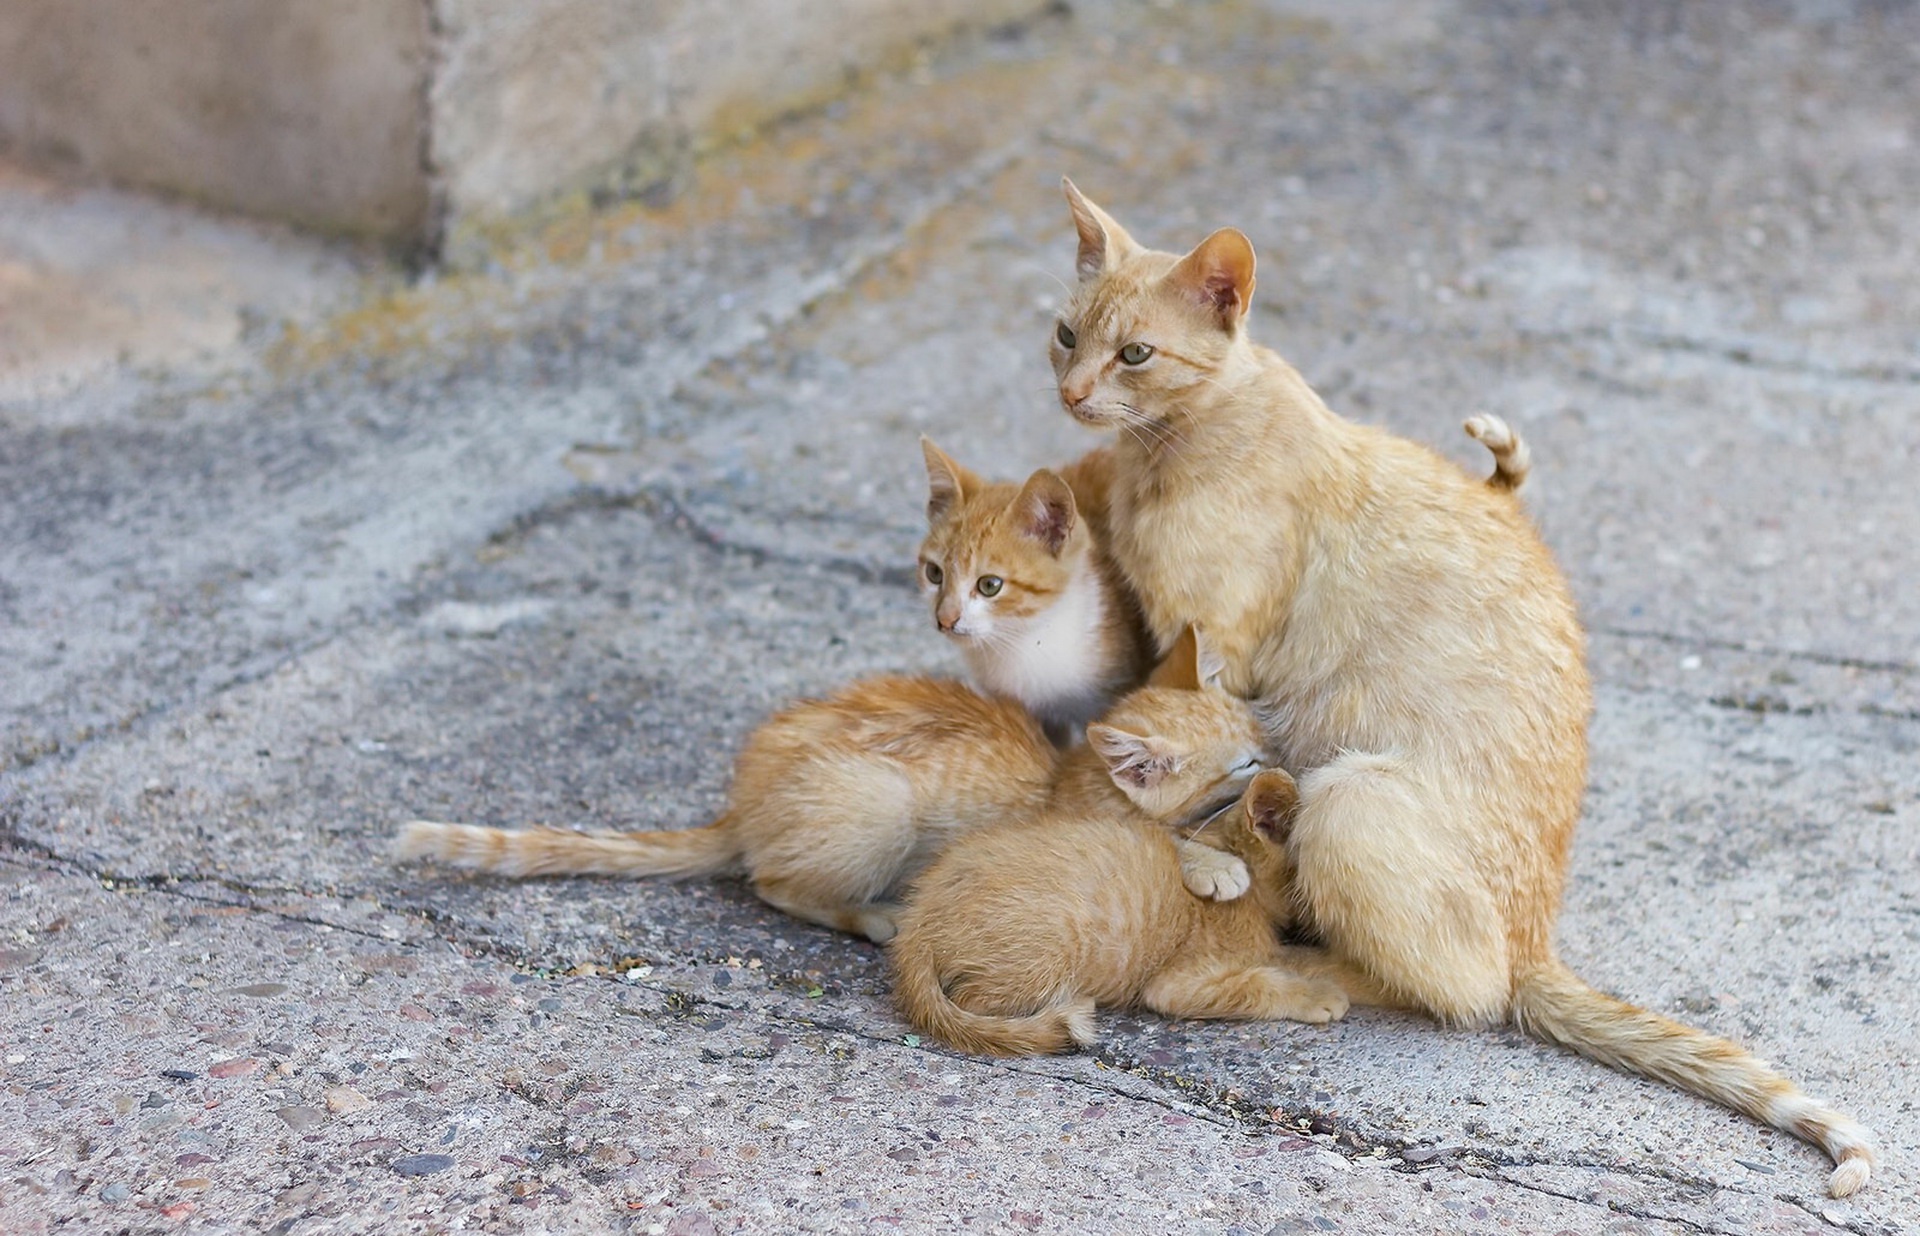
1015,575
835,804
1014,934
1413,648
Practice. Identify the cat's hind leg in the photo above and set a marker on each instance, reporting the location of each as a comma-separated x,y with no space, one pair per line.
876,920
1384,875
1229,990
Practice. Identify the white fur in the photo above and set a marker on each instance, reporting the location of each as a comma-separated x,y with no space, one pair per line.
1053,663
1212,874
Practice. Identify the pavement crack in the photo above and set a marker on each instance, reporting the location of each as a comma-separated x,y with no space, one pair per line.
173,885
1836,660
668,509
1617,1207
1746,353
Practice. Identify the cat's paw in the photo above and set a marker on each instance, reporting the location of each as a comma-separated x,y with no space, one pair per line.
1213,874
878,922
1316,1001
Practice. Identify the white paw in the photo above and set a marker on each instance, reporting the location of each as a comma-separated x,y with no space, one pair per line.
1212,873
879,922
1319,1002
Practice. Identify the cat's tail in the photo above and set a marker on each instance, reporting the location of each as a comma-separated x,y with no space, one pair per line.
1512,461
710,850
1552,1002
923,1000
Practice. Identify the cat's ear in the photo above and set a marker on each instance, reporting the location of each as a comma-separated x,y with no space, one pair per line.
1134,761
948,484
1218,275
1271,801
1192,664
1047,510
1103,242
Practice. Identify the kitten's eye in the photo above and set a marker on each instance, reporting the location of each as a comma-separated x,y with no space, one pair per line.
1136,353
989,585
1066,336
934,575
1250,764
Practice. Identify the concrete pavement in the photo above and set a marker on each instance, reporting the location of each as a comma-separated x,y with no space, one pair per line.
544,541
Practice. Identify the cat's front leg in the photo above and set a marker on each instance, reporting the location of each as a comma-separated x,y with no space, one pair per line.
1210,873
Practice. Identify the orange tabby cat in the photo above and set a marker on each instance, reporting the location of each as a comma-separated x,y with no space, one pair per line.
835,804
1015,933
1016,576
1413,648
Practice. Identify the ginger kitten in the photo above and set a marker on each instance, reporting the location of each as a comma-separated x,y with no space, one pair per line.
1016,577
1412,646
835,804
1014,935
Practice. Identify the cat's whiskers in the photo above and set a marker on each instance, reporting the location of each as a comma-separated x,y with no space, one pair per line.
1159,435
1213,815
1233,396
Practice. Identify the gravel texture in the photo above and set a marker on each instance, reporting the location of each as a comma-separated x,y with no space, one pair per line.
543,544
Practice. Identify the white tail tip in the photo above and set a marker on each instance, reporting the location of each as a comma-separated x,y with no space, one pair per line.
418,839
1490,431
1849,1176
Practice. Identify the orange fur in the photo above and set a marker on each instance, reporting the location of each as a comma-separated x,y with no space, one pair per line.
1512,461
835,804
1410,642
1015,575
1015,934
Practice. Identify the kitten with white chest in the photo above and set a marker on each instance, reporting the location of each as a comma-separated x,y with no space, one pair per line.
1016,577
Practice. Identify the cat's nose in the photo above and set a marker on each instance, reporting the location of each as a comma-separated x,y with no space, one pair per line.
946,622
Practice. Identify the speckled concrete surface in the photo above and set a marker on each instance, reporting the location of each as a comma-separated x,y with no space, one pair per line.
545,541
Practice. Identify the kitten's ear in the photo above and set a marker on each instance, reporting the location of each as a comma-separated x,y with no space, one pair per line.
1271,802
948,484
1180,668
1218,275
1103,242
1192,664
1047,510
1134,761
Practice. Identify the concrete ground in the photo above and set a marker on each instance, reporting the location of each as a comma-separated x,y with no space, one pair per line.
544,542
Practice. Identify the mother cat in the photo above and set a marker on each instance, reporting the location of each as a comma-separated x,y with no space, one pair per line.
1412,643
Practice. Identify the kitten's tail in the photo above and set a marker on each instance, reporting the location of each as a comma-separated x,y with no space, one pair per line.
710,850
923,1000
1511,458
1552,1002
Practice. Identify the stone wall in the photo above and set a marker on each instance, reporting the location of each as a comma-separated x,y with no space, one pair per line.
414,120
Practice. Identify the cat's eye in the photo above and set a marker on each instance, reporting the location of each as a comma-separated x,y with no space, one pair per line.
1066,336
1136,353
989,585
933,574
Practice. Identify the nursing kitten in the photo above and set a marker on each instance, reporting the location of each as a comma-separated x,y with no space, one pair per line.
1413,648
835,804
1016,576
1014,934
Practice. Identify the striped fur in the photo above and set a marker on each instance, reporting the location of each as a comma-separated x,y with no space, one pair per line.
1414,648
835,804
1014,935
1512,461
